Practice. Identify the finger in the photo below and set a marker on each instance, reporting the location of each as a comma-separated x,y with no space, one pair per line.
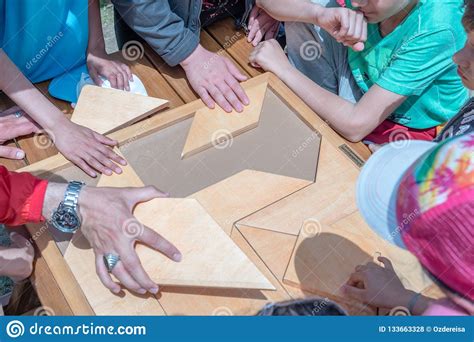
238,90
220,99
360,268
235,71
359,27
134,267
95,77
358,47
158,242
344,26
105,140
231,97
108,165
126,279
23,127
81,163
272,32
126,80
104,275
253,31
11,153
253,16
352,26
128,71
96,164
364,31
356,278
206,98
145,194
120,79
114,157
113,80
386,262
354,292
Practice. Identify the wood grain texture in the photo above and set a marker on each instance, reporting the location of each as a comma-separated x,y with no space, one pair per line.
245,193
213,127
329,199
342,246
107,110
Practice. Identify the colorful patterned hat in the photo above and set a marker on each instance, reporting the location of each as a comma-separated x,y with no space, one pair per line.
421,196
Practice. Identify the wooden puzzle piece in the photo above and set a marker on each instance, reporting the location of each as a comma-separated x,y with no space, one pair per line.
107,110
210,258
326,255
213,127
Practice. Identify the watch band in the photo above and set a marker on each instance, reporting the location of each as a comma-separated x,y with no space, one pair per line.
71,197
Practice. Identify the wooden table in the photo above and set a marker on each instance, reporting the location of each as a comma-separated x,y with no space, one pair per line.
170,83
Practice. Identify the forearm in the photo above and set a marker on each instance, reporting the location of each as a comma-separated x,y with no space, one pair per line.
339,113
21,91
291,10
54,195
96,35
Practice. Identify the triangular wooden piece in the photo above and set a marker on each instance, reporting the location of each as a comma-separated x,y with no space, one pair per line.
212,127
107,110
210,257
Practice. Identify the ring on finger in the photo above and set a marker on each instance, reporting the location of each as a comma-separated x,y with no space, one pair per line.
18,114
110,261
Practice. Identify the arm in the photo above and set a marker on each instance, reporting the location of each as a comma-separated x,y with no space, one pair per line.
82,146
98,63
353,121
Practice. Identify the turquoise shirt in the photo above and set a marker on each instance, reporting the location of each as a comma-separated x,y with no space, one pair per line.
415,60
47,40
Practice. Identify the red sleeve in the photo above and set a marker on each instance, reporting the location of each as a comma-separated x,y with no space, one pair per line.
21,197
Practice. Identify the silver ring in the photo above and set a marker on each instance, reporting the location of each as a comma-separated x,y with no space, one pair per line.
110,260
18,114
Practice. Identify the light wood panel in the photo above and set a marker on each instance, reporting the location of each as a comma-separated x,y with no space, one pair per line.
107,110
213,127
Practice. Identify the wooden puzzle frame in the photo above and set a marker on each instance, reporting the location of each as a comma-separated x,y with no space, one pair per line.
69,298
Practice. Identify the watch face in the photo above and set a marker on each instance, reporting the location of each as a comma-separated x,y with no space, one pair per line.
65,219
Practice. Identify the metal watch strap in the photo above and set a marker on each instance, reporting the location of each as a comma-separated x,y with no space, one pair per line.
71,197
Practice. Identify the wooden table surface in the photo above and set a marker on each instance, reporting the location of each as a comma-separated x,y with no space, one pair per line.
161,81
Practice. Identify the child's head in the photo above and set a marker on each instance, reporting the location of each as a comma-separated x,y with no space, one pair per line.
376,11
465,57
303,307
421,197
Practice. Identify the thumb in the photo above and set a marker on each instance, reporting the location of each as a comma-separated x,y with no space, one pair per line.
386,262
145,194
11,152
358,47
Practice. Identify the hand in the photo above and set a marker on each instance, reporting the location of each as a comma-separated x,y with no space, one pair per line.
376,285
345,25
16,261
118,74
215,78
106,213
261,26
269,56
87,149
12,127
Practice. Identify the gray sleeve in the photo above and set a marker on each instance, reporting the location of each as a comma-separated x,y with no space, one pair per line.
160,27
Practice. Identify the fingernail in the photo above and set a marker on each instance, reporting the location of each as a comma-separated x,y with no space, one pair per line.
177,257
20,154
118,171
93,175
141,291
108,172
123,162
154,290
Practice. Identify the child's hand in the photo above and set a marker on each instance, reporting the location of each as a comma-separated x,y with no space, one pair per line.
346,26
12,127
261,26
376,285
87,149
16,261
269,56
118,74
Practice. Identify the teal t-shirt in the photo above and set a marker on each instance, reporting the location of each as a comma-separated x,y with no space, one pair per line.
415,60
47,40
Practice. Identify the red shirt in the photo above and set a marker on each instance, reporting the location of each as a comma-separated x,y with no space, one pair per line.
21,197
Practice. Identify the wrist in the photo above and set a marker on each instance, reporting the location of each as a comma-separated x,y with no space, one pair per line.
195,55
54,195
316,13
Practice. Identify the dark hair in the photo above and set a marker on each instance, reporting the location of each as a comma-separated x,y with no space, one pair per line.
468,18
303,307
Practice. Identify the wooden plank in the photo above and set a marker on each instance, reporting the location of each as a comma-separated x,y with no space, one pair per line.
60,270
234,41
206,301
245,193
212,127
329,199
107,110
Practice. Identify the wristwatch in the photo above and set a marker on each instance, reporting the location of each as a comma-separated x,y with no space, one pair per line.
66,217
